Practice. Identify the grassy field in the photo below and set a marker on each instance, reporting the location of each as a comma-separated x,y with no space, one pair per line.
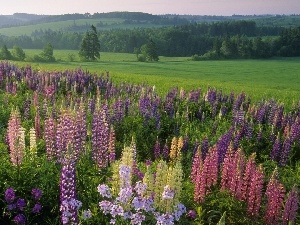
260,79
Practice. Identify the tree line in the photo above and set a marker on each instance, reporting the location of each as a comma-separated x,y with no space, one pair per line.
234,39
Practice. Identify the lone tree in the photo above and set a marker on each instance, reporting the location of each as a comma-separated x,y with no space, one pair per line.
90,45
149,51
5,53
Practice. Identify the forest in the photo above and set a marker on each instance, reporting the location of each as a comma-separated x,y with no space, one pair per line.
201,40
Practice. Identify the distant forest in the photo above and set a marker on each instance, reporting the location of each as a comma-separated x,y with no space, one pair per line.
183,36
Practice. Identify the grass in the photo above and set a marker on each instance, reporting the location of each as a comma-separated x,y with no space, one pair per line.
260,79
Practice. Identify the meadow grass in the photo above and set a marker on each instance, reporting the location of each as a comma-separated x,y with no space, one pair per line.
260,79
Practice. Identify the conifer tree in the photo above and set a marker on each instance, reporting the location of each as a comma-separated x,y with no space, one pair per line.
90,45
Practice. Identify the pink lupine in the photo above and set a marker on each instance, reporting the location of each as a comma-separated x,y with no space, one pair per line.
255,192
197,165
227,169
235,185
248,174
15,134
275,196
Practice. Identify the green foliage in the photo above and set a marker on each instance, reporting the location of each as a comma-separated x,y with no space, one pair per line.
5,54
46,55
18,53
149,51
90,45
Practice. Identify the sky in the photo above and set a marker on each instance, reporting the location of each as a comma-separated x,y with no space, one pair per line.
157,7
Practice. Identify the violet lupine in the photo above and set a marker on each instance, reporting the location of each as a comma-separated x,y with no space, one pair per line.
100,138
291,207
276,150
255,192
67,186
223,144
275,193
26,108
285,152
295,131
156,149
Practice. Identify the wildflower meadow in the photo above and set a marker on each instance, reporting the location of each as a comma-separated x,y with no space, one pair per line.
76,148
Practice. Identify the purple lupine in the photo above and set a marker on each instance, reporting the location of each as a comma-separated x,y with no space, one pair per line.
239,117
19,219
276,151
291,207
249,130
21,204
286,148
156,149
36,208
275,193
26,108
64,135
67,186
50,138
295,131
36,193
100,138
223,144
204,147
277,120
256,185
9,195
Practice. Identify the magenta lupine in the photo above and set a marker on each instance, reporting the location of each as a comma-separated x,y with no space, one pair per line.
100,138
37,123
291,207
111,145
254,194
275,193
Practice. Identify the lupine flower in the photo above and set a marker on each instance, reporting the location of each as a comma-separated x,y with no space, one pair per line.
156,149
50,138
21,203
165,151
275,196
255,192
286,148
197,165
32,142
173,149
87,214
291,207
168,193
19,219
9,195
276,151
104,190
36,208
137,218
191,214
36,193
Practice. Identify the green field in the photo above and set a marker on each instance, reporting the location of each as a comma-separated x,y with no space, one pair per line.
260,79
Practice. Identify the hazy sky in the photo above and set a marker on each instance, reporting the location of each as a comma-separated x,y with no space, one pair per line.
194,7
